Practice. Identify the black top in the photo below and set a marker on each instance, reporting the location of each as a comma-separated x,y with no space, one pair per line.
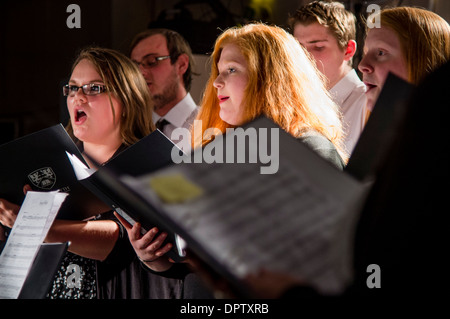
323,146
123,276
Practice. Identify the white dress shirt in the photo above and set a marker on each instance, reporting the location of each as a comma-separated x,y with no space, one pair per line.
182,114
349,94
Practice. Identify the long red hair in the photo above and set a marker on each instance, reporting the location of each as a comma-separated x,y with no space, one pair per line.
283,84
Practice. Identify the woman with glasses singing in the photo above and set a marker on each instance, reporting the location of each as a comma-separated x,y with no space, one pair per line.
110,108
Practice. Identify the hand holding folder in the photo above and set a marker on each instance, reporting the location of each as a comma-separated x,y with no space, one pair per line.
149,247
149,154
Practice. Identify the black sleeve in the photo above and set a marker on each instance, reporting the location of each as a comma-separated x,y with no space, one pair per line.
300,292
122,252
177,271
322,146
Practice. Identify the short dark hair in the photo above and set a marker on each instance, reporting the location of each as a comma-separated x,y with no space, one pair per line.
176,45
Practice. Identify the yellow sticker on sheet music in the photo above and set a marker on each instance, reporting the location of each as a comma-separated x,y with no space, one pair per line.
175,188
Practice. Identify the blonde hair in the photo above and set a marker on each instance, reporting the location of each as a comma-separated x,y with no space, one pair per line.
124,81
283,84
424,37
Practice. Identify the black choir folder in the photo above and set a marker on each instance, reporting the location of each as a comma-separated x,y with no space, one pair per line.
381,128
39,160
235,218
42,273
145,156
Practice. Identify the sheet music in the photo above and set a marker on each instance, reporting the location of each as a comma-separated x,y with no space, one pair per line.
247,220
35,217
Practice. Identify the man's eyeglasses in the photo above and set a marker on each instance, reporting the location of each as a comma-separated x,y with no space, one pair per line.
88,89
151,61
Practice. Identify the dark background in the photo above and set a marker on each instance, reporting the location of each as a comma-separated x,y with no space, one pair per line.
37,48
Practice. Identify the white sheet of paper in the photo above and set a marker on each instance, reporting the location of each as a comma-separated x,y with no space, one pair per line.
81,170
35,217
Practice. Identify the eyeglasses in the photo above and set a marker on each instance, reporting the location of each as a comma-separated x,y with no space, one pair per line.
88,89
151,61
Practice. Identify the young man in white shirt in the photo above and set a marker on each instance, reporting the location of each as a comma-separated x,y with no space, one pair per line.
166,62
328,32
